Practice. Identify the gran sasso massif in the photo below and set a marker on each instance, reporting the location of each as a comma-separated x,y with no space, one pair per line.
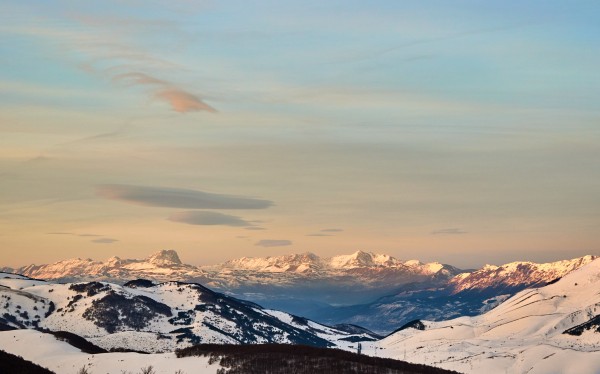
376,291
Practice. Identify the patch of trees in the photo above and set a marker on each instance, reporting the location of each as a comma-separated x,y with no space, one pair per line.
115,310
592,324
139,283
182,318
298,359
91,288
77,342
13,364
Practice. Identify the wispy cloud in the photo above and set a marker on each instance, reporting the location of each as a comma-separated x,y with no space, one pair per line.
104,241
319,234
72,234
178,198
180,100
204,218
332,230
108,48
273,243
450,231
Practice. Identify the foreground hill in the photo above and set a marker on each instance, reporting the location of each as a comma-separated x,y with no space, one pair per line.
552,329
63,358
144,316
467,294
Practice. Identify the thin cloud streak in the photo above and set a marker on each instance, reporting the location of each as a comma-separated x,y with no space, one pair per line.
273,243
104,241
177,198
204,218
71,234
180,100
450,231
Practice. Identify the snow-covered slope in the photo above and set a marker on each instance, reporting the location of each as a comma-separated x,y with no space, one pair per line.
56,354
62,358
151,317
552,329
515,274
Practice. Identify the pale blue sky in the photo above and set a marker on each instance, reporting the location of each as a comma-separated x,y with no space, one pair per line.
464,132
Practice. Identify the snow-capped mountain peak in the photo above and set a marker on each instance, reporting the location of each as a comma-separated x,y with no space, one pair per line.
361,259
165,257
294,263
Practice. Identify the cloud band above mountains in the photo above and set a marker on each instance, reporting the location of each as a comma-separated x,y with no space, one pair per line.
273,243
204,218
178,198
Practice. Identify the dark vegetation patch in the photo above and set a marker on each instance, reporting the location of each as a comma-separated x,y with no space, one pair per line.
356,339
115,311
592,324
139,283
354,329
299,320
91,288
127,350
415,324
554,281
9,319
77,342
5,327
299,359
185,333
182,318
51,308
75,299
13,364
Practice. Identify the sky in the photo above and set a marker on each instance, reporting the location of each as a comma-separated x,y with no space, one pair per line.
465,132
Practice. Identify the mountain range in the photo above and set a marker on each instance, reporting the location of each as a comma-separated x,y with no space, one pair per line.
376,291
549,328
359,271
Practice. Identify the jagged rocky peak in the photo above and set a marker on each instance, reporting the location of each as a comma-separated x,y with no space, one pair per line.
362,259
164,258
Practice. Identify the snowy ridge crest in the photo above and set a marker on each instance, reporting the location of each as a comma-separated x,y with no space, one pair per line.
517,274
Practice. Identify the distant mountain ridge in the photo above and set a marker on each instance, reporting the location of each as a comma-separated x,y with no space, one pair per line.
311,263
466,294
162,265
339,279
376,291
516,274
166,263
